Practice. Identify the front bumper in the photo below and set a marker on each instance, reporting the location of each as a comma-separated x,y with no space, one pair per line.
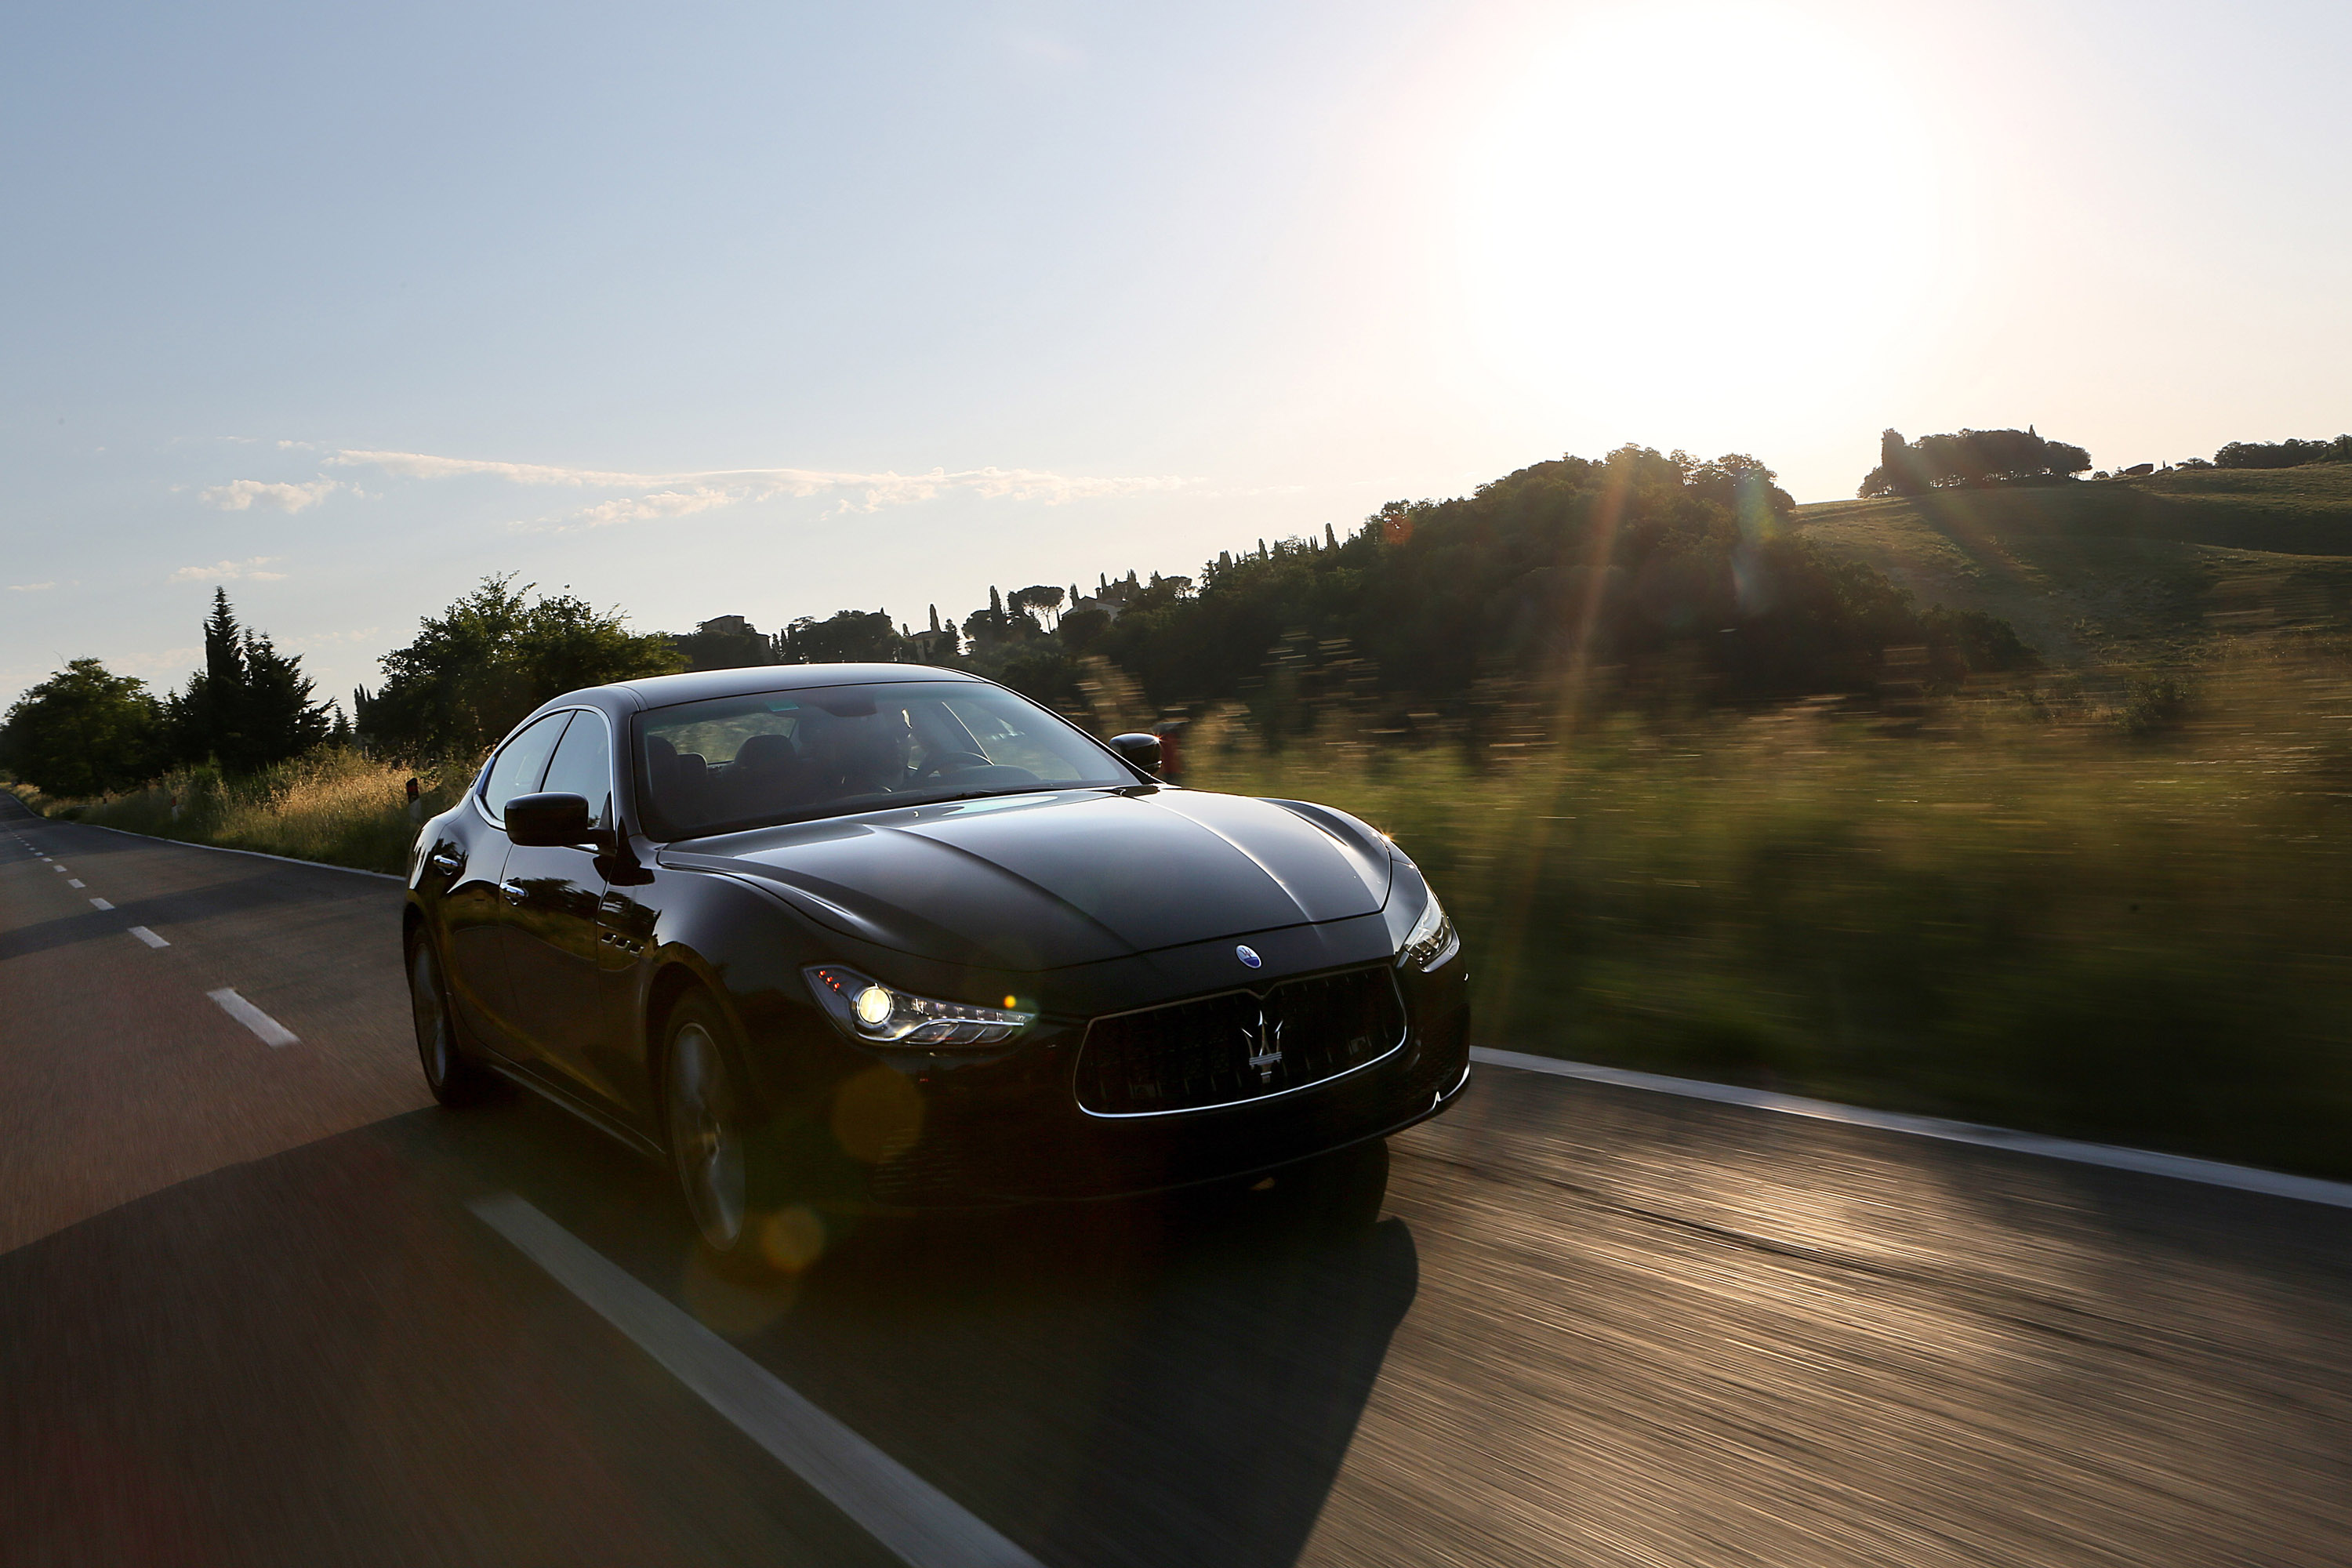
1016,1133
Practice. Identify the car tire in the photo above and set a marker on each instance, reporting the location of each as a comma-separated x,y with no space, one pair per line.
715,1138
450,1070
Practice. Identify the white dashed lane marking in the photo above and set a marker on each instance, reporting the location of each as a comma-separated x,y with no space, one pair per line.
99,904
148,937
269,1030
73,881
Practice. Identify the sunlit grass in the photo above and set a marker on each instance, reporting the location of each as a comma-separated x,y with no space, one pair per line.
2005,914
334,806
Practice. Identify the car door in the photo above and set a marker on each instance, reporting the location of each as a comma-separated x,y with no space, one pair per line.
473,913
551,896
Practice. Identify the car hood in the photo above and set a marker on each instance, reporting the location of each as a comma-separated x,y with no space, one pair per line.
1039,882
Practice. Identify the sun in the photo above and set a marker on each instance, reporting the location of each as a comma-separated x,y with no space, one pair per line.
1693,203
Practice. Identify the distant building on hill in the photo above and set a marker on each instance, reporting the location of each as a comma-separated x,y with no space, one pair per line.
726,642
939,646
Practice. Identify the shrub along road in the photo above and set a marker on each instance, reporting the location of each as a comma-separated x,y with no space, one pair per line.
247,1313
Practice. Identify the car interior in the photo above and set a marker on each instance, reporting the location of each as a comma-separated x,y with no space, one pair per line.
794,754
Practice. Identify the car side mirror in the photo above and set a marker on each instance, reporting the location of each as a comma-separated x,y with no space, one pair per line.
1143,751
548,821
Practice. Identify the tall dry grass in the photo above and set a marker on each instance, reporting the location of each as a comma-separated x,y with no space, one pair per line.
2130,922
2117,923
334,806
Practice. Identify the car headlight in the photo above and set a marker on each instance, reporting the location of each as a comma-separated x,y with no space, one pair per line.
1432,939
882,1014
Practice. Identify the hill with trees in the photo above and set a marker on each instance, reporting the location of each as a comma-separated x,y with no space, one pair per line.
2283,454
1970,460
2127,570
1641,569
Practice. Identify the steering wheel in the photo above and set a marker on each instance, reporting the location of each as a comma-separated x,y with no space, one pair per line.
950,760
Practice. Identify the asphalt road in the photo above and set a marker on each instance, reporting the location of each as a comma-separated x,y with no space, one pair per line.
247,1315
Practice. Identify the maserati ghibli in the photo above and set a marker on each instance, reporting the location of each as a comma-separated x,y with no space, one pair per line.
882,937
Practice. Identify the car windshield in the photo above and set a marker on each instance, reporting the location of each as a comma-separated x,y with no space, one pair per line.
786,756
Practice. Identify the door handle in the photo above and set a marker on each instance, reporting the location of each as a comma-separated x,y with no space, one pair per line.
515,891
446,861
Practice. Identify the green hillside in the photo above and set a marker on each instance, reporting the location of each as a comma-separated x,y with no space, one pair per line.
2119,571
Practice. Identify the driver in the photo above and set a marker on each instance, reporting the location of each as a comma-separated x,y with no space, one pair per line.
861,755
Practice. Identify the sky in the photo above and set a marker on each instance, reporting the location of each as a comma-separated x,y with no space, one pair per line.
772,310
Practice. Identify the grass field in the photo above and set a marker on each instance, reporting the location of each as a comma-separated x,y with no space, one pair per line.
2106,573
2011,914
334,806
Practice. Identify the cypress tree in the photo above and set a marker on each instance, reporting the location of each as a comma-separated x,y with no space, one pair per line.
251,705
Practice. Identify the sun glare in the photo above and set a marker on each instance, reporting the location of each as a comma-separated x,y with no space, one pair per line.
1679,204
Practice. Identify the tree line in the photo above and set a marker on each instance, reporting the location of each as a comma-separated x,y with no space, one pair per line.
1640,570
1970,460
85,730
1975,459
2283,454
1652,571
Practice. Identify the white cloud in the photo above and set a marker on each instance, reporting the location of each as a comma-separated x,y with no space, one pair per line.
424,466
240,495
30,587
661,503
248,571
660,496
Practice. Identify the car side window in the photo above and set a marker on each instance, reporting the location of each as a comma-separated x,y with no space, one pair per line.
521,763
583,766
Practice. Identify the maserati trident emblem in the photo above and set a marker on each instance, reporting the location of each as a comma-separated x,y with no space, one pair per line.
1264,1048
1248,956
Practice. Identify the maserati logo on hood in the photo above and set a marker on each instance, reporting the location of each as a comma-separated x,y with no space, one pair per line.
1248,956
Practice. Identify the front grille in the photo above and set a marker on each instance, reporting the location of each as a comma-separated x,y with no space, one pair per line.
1236,1047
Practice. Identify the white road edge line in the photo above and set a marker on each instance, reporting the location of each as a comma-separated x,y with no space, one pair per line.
256,853
99,904
270,1032
926,1528
2147,1162
148,937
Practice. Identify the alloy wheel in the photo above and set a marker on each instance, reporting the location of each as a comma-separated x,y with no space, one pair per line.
705,1139
436,1043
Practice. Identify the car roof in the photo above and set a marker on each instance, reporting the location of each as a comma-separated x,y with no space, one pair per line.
664,690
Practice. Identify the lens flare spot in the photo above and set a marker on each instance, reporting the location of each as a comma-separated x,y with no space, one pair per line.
792,1238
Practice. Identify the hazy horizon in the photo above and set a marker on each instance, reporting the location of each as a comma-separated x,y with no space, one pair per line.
774,313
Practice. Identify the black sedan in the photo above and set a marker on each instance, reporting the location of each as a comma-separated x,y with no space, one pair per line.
860,937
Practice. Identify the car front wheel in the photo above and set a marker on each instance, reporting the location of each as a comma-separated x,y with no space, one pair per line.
453,1076
708,1119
